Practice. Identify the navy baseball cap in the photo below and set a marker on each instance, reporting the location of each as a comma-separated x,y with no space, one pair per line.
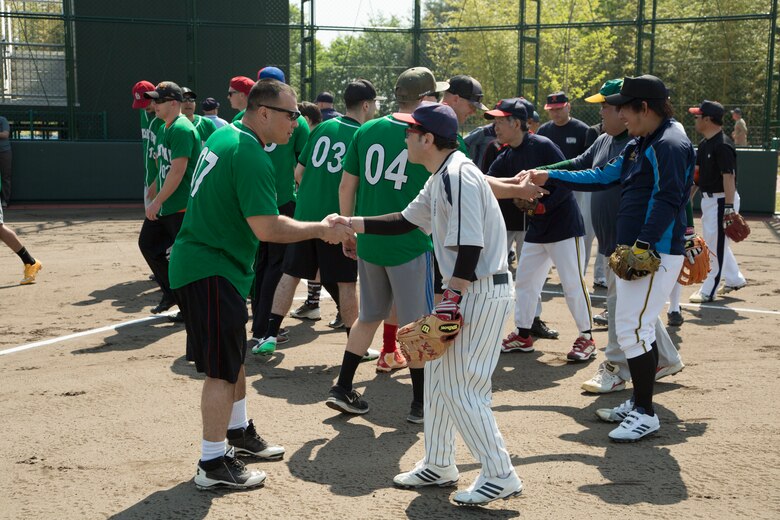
436,118
209,104
737,111
271,73
707,108
468,88
508,107
166,90
530,109
358,90
556,100
324,97
645,87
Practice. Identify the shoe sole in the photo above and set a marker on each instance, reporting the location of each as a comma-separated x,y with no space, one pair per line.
449,483
544,336
657,377
343,407
628,441
247,453
599,390
263,352
382,370
607,419
415,420
299,317
579,359
674,323
336,325
526,350
513,494
603,323
220,485
729,289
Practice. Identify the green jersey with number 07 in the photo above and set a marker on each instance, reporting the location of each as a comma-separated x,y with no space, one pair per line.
388,183
234,179
318,194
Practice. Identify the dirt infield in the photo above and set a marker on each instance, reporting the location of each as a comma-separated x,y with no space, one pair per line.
107,425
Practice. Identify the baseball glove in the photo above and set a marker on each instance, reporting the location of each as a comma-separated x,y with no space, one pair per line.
735,227
630,265
697,261
429,337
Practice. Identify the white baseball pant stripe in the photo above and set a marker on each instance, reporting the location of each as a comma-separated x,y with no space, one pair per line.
667,352
458,389
518,237
723,264
532,269
639,302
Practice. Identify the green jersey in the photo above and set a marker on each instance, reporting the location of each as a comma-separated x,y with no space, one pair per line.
234,180
238,116
285,158
180,139
204,126
388,183
462,146
318,194
150,125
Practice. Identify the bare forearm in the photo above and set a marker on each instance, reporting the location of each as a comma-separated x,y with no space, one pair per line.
347,191
172,181
729,187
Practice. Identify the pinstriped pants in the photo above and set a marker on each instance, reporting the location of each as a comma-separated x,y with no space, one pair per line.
458,389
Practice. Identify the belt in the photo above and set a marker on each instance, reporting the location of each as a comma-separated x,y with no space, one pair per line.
711,194
500,278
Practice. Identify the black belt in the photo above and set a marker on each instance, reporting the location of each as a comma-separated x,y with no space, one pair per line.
500,278
711,194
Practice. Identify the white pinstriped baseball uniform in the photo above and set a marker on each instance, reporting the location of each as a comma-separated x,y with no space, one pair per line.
457,206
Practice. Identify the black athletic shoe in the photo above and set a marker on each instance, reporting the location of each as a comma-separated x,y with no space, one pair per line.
674,319
539,329
416,414
346,402
336,323
602,319
246,441
164,305
176,318
229,472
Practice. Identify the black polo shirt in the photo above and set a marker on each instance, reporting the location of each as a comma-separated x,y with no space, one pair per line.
714,157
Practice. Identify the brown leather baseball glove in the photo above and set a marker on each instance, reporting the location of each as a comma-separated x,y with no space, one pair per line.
697,261
629,264
735,227
429,337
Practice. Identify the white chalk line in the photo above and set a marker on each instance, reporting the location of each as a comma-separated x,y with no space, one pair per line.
325,295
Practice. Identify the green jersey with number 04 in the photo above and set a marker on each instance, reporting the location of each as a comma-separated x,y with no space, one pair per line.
150,125
234,180
180,139
204,126
318,194
388,183
285,158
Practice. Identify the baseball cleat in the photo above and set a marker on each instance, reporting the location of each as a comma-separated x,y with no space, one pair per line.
227,472
635,426
582,350
390,361
370,355
698,297
346,401
485,490
616,414
246,441
416,413
263,347
165,304
514,342
670,370
600,284
30,272
539,329
725,289
427,475
283,332
606,380
674,319
307,311
337,322
602,319
176,317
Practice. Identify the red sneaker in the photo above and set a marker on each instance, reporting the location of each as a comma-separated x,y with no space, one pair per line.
514,342
390,361
582,350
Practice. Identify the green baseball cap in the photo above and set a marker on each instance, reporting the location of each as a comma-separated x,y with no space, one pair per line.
417,82
607,89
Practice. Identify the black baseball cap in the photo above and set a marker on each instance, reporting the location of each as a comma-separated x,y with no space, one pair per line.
556,100
209,104
324,97
436,118
166,90
508,107
188,93
530,109
645,87
707,108
356,91
468,88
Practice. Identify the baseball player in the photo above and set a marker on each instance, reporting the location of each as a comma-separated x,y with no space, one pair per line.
717,161
210,107
9,238
655,171
320,168
553,236
232,204
458,208
204,126
238,93
324,102
178,147
150,125
465,98
395,270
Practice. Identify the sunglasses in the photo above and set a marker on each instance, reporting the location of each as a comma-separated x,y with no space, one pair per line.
231,92
162,101
292,114
188,100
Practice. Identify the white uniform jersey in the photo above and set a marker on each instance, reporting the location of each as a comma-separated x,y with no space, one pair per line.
457,206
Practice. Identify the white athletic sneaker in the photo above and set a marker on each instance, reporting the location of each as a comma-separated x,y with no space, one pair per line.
698,297
606,380
370,355
725,289
635,426
670,370
616,414
427,475
485,490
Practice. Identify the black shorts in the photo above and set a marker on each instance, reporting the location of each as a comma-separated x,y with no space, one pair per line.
303,259
215,316
437,278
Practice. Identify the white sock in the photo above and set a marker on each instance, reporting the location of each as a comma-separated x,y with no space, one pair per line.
211,450
238,415
674,307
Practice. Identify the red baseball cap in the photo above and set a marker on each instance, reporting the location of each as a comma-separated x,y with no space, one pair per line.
242,84
139,101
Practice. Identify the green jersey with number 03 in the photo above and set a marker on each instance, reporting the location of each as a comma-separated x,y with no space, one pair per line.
234,180
285,158
323,155
150,125
204,126
180,139
388,183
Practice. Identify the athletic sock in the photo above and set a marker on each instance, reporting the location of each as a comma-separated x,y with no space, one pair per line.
523,333
348,329
642,370
586,334
274,324
333,290
211,450
25,256
418,384
388,338
348,368
238,415
313,298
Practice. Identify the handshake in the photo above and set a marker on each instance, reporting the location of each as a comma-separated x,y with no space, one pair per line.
340,230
